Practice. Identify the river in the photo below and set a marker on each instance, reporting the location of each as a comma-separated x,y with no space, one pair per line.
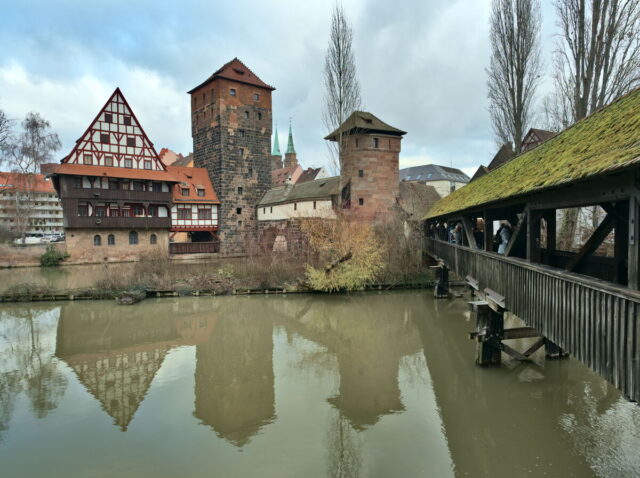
371,384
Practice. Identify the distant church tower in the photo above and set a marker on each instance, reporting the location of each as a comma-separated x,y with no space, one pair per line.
290,157
276,155
231,129
370,169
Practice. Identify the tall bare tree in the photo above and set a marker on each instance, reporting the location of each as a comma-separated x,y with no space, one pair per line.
342,90
597,58
5,130
514,72
25,153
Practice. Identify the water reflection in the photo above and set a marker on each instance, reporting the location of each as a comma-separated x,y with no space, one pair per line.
363,385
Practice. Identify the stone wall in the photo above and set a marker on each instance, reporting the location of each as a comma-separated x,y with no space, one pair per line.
81,248
372,172
286,235
232,139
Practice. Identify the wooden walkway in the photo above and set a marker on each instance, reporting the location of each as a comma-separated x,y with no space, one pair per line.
597,322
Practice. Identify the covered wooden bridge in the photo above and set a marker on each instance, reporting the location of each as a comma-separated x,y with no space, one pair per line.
586,300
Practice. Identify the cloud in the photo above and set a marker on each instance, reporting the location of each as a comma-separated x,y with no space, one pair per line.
420,64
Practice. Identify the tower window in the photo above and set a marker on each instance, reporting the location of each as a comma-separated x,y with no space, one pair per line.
256,97
271,209
295,206
250,173
246,115
314,204
361,173
375,142
238,210
232,91
108,118
259,116
131,141
104,138
356,142
241,151
241,133
239,189
361,201
127,120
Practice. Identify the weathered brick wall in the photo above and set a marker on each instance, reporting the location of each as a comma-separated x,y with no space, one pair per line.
295,239
379,185
232,139
81,248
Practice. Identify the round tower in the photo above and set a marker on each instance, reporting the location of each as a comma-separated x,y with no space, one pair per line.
370,155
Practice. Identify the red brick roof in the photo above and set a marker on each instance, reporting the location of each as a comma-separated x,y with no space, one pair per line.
279,176
309,174
193,179
235,70
22,182
111,172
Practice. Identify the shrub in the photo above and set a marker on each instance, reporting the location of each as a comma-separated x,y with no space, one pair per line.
52,257
25,291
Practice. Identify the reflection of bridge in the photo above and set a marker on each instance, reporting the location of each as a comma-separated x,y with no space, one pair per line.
586,303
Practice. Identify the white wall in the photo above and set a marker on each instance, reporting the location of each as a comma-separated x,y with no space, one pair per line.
444,187
194,221
301,209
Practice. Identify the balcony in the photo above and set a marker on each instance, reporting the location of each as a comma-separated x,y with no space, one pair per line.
95,194
193,247
94,222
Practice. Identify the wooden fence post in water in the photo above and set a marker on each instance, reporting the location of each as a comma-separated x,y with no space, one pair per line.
489,332
442,282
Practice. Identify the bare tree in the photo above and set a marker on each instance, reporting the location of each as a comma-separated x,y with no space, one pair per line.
5,130
597,58
25,153
514,72
342,90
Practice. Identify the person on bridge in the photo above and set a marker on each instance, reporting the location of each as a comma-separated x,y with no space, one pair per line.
503,236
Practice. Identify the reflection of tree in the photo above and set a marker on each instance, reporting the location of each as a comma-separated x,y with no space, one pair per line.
28,362
344,448
234,372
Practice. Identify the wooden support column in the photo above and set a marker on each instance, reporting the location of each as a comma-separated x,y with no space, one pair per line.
489,331
550,220
634,241
533,235
621,243
467,226
488,231
442,282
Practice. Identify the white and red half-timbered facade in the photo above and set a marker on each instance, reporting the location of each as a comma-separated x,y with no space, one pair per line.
194,214
115,191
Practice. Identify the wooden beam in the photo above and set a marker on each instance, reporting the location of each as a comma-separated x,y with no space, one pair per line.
550,219
488,231
634,241
468,230
621,242
515,236
533,235
520,333
589,247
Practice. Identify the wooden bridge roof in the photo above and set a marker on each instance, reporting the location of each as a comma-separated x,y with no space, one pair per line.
608,140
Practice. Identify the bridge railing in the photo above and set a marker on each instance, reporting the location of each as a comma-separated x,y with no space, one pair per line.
596,321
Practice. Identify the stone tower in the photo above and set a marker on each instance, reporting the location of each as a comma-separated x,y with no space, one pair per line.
370,173
290,157
231,129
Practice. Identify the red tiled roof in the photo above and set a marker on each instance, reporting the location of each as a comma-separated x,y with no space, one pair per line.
192,178
279,176
22,181
127,173
309,174
235,70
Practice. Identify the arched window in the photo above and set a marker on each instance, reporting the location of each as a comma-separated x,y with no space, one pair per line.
153,239
111,240
133,238
97,240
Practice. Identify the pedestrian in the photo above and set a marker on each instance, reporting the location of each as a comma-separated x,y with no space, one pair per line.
503,236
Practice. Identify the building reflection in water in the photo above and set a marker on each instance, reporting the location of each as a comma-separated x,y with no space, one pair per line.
117,351
235,393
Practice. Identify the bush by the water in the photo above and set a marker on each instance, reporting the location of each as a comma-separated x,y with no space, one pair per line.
52,257
26,291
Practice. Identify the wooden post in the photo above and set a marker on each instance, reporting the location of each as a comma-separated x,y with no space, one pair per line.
467,226
550,219
488,231
634,241
442,282
489,333
621,244
533,236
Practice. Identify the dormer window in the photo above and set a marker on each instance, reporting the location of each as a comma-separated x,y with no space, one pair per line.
185,191
200,192
375,142
232,91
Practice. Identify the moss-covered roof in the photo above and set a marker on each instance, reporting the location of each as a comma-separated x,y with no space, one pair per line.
608,140
307,191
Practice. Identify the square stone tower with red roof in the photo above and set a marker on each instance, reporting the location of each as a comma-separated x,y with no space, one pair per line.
231,129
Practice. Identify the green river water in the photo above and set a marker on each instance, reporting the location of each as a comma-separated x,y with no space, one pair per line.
372,385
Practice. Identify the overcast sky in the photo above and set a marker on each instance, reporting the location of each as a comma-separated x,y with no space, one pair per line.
421,66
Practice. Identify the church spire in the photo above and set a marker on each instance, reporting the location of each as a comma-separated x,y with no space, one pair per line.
290,148
276,144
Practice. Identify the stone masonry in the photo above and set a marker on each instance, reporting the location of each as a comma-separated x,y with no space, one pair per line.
231,129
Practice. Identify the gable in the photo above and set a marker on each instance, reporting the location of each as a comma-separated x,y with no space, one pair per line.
115,138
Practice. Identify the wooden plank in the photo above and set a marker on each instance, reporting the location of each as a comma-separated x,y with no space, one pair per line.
471,282
520,333
516,235
495,300
467,226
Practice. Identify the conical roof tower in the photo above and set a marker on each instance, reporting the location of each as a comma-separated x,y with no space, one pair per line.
290,157
276,144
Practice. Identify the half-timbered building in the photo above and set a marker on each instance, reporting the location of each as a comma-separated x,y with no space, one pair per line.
116,193
194,214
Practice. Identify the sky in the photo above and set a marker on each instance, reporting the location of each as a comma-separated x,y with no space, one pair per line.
421,66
